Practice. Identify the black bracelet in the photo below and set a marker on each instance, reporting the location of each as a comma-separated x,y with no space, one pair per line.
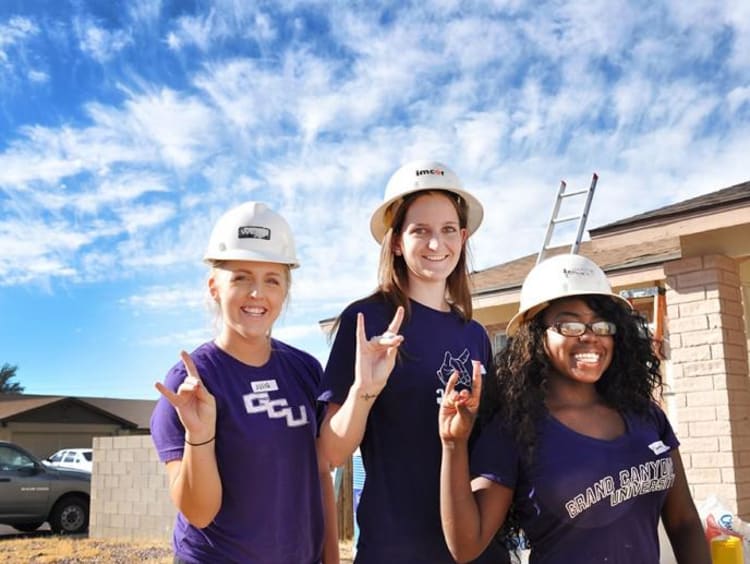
200,444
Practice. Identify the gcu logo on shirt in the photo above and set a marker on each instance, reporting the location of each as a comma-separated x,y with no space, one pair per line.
275,409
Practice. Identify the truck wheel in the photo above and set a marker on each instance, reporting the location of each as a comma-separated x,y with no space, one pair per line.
26,527
70,515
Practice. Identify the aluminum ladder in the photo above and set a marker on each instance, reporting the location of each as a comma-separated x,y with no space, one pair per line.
555,220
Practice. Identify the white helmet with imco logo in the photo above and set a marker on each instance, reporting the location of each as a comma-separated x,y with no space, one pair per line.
252,231
559,277
422,175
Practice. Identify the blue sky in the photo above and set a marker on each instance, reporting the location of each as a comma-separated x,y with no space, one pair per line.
127,127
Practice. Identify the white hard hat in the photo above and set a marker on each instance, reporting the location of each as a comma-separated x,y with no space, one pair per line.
423,175
252,231
559,277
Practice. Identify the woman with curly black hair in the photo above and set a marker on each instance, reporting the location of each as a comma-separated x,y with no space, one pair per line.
579,454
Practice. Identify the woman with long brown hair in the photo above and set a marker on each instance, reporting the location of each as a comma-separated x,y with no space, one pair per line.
392,356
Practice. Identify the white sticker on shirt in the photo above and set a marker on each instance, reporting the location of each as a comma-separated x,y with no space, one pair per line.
264,386
658,447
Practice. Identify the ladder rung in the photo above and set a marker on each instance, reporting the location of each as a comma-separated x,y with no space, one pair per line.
578,193
564,219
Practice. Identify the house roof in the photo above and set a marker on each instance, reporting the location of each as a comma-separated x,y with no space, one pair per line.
733,196
511,274
127,412
137,411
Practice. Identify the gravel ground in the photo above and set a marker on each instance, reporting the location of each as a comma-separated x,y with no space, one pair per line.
50,549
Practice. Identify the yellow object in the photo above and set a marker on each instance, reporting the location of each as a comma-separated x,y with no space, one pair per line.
726,549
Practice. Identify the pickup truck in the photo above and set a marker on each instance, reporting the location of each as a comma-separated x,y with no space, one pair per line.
32,493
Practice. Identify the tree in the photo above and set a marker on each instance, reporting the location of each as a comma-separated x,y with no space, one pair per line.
7,372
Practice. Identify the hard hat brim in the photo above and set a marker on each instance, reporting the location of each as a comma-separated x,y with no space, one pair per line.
474,210
529,313
252,256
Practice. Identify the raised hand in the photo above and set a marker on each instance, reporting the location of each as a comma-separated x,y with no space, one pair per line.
458,410
195,406
376,356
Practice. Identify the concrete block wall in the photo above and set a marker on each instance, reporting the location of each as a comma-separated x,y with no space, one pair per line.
129,494
710,379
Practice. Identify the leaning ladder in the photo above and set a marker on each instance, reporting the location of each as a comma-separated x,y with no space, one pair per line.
555,220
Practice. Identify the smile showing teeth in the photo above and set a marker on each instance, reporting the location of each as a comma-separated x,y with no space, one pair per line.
254,310
435,258
587,357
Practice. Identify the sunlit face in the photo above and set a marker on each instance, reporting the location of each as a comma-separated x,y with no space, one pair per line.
432,239
581,359
250,296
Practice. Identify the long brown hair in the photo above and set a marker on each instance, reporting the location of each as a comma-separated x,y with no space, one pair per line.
393,273
393,279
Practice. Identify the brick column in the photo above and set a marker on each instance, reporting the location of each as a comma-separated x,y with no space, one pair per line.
710,377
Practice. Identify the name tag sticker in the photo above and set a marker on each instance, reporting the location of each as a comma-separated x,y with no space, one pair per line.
658,447
264,386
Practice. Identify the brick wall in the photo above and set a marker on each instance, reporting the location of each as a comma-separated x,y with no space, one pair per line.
710,377
129,495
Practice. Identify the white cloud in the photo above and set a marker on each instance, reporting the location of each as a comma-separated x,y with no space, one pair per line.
195,30
144,12
37,76
101,44
513,100
13,33
737,97
162,298
291,333
136,218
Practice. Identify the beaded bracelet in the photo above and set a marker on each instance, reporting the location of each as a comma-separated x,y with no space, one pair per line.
200,444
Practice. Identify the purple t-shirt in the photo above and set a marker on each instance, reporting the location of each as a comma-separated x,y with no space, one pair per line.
399,511
271,509
585,499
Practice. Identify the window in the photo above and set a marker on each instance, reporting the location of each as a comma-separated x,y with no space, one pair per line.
11,459
499,340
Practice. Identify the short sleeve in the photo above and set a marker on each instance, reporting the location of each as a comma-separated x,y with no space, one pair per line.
338,375
666,432
167,431
495,455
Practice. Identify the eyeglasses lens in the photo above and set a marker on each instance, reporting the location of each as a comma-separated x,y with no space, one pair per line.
578,328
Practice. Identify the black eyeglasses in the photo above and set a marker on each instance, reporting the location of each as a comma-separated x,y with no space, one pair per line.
578,328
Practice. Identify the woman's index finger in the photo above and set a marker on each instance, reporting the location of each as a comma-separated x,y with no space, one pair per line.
398,318
190,366
476,378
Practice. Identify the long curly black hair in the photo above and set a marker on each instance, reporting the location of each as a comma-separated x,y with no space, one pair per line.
630,384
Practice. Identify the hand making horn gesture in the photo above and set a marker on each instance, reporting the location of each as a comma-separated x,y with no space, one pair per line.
376,356
459,408
195,406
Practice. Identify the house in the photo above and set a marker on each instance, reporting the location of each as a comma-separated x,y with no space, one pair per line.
44,424
686,267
